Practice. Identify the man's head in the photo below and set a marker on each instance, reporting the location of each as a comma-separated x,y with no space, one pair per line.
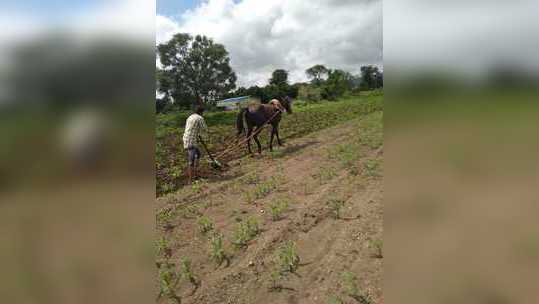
199,110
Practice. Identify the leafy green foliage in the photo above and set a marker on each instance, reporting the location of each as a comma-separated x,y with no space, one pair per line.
287,258
334,300
335,207
377,245
217,250
165,216
325,174
168,282
351,289
205,224
372,168
194,69
163,247
245,232
317,73
265,188
186,271
277,208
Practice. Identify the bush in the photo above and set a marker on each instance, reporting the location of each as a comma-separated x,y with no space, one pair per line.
310,93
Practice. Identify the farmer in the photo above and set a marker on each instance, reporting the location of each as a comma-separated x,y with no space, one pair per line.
195,127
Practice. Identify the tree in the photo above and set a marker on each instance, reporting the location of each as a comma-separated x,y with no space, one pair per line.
279,78
338,83
371,78
316,73
194,69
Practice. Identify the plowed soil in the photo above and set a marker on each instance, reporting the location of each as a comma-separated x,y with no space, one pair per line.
331,165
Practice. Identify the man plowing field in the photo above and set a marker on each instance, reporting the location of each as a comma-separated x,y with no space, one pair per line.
195,129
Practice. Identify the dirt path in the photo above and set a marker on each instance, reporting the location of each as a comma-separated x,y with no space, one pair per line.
307,173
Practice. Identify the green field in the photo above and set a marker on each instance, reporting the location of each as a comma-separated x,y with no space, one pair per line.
307,117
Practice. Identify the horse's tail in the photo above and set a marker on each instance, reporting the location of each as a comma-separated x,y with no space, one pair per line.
239,121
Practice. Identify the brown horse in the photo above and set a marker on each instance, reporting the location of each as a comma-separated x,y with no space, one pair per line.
258,115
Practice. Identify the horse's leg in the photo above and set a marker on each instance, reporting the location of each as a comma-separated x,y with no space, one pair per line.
277,134
271,138
257,141
249,131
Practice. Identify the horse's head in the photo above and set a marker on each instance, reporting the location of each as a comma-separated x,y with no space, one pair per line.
287,104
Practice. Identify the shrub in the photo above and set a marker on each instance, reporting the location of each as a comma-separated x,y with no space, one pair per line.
310,93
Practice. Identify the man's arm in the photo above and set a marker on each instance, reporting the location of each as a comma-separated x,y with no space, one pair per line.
204,132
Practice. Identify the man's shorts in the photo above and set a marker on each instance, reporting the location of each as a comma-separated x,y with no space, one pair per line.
193,154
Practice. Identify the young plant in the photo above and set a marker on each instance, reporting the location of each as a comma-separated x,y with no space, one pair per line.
165,216
324,175
168,282
198,186
217,251
264,188
189,212
371,168
277,209
249,197
335,207
187,271
351,289
378,246
334,300
163,247
287,258
250,179
276,278
245,231
205,224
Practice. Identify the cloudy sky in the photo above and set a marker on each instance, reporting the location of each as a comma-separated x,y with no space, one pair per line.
262,36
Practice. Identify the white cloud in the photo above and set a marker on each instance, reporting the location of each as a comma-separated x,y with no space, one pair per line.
262,36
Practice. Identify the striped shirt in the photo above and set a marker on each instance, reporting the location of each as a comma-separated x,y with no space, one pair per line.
195,126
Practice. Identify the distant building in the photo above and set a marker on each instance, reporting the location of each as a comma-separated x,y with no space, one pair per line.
231,104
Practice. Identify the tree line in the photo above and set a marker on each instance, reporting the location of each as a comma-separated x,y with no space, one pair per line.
197,70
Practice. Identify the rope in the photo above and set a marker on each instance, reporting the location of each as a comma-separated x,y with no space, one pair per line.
257,131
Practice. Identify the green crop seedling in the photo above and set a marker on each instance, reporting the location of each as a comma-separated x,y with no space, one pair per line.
335,207
168,282
217,251
205,224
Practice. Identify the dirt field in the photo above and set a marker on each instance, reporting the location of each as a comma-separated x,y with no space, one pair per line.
306,181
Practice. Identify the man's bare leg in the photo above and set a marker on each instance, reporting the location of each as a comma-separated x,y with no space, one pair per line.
190,173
